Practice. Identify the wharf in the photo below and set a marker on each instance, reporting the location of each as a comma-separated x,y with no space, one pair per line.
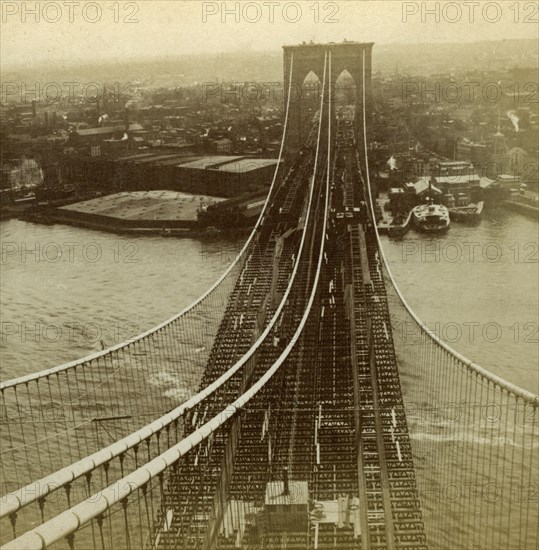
524,208
169,213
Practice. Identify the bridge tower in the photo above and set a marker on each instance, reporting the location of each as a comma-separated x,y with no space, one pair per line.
354,57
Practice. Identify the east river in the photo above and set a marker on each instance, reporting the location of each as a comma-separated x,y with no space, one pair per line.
67,292
476,287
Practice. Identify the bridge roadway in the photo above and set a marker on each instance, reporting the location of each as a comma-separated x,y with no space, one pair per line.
318,455
298,437
331,421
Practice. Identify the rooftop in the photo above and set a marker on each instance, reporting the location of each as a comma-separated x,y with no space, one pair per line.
154,158
457,179
134,157
176,161
146,205
207,162
247,165
423,184
107,130
455,163
328,44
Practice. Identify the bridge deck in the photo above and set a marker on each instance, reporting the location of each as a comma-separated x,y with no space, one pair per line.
332,416
299,437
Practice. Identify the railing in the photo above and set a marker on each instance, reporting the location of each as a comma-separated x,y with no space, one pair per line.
111,461
133,513
475,439
475,436
120,456
73,410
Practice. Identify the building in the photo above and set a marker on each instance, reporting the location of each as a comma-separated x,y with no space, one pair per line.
457,178
287,510
520,164
474,153
426,187
91,136
223,176
508,181
499,159
21,174
222,145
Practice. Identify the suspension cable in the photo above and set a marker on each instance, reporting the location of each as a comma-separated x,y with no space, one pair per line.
502,383
74,518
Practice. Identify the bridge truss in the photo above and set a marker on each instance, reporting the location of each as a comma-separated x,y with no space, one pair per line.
307,429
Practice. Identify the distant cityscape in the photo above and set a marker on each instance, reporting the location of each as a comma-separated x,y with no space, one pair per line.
319,265
61,144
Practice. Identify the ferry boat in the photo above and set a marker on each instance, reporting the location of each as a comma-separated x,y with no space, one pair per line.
431,218
470,214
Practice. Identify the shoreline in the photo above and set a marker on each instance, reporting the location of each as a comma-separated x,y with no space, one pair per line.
165,228
48,215
525,209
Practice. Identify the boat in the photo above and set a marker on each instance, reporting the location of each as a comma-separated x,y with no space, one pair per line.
431,218
467,214
399,225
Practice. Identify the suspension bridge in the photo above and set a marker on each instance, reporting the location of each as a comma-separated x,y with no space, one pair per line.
301,402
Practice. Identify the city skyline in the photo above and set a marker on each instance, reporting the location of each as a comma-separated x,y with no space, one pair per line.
269,274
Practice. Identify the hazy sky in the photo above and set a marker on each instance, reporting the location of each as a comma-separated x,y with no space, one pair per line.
65,32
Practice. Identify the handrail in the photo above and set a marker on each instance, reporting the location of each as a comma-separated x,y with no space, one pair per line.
72,364
495,379
72,519
16,500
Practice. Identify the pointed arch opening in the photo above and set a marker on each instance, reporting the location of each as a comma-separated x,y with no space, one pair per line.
311,89
345,95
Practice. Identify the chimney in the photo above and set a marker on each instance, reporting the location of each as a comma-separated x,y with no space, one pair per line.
34,118
286,490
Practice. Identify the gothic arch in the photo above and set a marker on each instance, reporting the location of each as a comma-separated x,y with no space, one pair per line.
353,58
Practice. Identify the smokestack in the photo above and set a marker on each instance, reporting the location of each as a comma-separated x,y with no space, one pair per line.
126,118
34,118
514,119
285,480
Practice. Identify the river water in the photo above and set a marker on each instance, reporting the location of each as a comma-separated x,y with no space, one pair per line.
67,291
477,288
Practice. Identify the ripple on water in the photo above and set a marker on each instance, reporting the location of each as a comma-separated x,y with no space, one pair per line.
74,303
486,303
